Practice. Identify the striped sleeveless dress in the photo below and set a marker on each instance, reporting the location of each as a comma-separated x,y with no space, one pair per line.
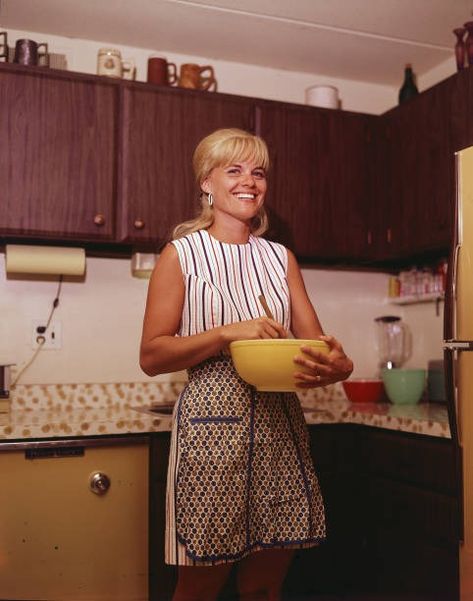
240,475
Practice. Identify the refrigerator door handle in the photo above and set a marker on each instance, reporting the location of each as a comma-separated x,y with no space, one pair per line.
450,357
454,418
456,252
458,345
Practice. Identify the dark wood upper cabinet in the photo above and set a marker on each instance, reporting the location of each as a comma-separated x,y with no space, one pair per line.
420,138
160,130
318,184
57,164
92,159
419,174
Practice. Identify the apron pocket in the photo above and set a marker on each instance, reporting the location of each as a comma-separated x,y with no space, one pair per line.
212,486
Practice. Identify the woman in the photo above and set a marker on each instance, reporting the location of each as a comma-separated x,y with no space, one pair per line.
241,485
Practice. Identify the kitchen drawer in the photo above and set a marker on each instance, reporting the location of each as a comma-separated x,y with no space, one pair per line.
422,460
413,511
404,567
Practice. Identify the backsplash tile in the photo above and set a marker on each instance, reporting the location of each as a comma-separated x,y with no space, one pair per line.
69,397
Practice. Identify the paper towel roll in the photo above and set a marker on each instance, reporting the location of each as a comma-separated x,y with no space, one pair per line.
44,260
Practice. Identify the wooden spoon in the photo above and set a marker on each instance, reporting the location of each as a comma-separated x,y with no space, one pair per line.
264,304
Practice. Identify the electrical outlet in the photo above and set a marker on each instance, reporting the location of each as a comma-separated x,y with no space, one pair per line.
52,336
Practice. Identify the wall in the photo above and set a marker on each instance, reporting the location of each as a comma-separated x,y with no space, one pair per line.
233,78
101,317
438,73
101,322
245,80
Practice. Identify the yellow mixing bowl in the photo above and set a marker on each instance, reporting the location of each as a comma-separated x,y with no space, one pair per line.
269,364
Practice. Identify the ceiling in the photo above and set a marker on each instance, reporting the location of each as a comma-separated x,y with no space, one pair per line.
368,40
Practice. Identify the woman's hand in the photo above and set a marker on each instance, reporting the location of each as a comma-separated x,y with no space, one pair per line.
262,327
323,368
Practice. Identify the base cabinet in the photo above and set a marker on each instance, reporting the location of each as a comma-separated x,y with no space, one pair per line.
392,518
162,577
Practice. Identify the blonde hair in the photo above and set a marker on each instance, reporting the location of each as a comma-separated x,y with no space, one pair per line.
224,147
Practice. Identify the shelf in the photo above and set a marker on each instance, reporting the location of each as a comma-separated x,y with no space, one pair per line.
415,299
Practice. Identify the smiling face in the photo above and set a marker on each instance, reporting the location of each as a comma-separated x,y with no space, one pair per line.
238,191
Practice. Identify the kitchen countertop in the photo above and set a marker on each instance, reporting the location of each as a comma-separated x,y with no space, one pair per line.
72,410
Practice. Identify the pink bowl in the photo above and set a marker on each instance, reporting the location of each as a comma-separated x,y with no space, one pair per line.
364,391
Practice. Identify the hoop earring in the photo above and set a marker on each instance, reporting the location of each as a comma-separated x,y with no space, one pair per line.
210,199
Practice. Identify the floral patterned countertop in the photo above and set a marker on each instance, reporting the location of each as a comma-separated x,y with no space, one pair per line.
73,410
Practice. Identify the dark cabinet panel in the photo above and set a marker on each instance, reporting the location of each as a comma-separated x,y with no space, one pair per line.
379,212
318,187
162,577
460,103
97,160
425,461
392,517
404,567
418,175
57,165
160,130
420,138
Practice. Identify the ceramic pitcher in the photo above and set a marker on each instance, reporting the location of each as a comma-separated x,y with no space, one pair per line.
197,77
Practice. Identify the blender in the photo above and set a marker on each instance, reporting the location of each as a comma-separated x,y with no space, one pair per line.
394,341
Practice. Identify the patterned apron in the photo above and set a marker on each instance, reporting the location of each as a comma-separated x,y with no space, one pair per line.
244,478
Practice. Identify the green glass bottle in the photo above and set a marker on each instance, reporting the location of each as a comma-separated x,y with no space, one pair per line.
408,89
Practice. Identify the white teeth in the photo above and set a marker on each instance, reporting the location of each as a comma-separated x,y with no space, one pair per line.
249,196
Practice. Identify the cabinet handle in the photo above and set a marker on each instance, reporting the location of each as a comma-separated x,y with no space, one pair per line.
388,235
138,224
99,219
369,239
99,483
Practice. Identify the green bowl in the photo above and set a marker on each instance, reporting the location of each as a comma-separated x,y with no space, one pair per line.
404,386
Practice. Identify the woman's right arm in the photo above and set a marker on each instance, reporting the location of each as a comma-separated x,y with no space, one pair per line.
161,350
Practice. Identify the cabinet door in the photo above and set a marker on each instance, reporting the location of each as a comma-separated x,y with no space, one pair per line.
318,180
160,132
419,175
381,206
57,164
436,169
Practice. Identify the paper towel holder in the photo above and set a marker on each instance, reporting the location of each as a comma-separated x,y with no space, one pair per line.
28,261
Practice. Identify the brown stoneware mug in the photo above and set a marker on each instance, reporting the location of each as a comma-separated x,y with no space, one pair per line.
197,77
3,46
160,72
27,52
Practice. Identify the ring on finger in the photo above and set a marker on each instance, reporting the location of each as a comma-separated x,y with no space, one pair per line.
318,378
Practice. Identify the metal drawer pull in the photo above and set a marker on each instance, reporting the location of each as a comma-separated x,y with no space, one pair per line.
99,219
138,224
99,483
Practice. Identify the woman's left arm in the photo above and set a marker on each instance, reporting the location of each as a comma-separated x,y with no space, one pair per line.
324,368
